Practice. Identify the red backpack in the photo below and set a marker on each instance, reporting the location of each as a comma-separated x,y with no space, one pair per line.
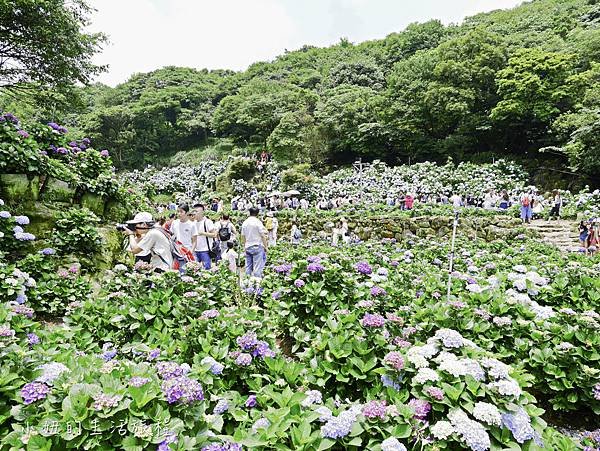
525,201
178,250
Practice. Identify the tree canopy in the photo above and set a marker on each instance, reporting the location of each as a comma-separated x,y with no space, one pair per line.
43,44
509,82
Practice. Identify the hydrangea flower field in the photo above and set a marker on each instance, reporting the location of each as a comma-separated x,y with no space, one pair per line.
336,348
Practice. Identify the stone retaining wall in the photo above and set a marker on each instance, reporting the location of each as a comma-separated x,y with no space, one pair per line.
378,227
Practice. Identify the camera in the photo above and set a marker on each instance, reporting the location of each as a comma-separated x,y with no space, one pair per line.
122,227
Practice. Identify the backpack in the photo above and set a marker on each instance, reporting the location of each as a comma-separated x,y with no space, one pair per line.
178,250
269,223
525,201
224,233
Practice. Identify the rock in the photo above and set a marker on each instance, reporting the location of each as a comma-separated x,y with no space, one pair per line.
57,191
18,188
112,248
94,203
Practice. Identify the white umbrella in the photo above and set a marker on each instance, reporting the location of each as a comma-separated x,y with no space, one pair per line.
292,192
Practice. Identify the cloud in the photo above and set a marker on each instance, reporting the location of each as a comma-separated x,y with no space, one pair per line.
232,34
145,35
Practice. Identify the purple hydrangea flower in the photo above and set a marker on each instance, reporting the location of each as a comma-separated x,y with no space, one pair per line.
216,368
221,407
33,339
138,381
182,389
248,341
596,392
315,267
243,359
395,360
377,291
374,409
276,295
209,314
22,220
169,370
420,407
34,391
364,268
48,251
284,268
104,153
435,392
372,320
153,354
313,259
23,133
169,438
299,283
21,299
340,426
251,401
519,424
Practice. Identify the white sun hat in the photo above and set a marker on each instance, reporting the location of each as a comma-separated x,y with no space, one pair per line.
142,216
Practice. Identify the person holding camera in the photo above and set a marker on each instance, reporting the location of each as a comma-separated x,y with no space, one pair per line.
146,240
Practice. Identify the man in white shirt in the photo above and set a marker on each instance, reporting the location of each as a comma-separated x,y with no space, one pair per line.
456,200
149,240
205,233
254,239
183,230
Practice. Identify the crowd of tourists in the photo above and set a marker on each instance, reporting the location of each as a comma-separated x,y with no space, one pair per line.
184,233
189,235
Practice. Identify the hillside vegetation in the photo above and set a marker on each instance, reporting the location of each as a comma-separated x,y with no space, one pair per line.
516,82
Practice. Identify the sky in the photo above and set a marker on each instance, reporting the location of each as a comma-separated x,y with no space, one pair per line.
145,35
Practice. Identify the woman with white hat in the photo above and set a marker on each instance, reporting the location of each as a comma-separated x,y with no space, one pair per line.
144,238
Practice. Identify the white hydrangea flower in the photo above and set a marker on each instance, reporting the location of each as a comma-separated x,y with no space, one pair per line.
496,368
506,387
487,413
442,430
426,375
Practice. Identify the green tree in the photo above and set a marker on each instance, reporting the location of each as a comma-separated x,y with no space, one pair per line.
256,110
43,44
535,88
348,115
438,101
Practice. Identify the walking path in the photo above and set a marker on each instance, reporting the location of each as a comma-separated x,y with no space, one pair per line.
561,233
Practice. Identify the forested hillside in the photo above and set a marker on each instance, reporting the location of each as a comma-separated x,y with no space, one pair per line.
512,82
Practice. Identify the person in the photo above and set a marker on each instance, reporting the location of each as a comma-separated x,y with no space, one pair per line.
583,234
226,232
304,204
145,239
593,239
456,200
537,209
557,203
254,239
295,234
488,200
205,232
220,205
230,257
504,200
401,201
274,225
408,201
526,207
183,230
